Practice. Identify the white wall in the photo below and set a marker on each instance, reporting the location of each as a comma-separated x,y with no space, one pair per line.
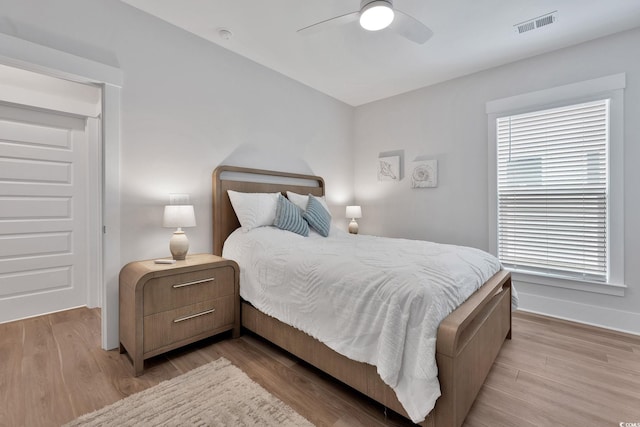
186,105
448,122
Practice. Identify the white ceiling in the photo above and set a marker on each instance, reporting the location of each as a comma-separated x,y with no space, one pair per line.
357,66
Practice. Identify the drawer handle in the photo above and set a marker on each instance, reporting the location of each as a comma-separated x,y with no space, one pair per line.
182,319
181,285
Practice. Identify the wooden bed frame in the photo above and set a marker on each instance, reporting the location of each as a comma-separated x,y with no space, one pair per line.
468,340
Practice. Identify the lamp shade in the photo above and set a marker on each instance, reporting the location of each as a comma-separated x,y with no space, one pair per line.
376,15
353,212
177,216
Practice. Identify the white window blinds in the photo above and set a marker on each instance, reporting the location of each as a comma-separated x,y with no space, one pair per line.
552,191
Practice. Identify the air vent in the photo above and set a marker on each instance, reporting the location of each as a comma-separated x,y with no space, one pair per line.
535,23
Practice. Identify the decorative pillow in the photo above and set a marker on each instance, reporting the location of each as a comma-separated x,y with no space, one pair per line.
289,217
301,200
254,209
317,216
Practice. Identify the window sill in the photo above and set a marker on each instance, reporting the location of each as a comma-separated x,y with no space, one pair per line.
599,288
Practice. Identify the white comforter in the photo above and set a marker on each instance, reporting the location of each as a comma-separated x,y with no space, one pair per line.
375,300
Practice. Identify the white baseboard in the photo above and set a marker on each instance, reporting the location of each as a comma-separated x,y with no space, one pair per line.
618,320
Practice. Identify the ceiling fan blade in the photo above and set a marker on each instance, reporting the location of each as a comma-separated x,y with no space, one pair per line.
410,28
338,20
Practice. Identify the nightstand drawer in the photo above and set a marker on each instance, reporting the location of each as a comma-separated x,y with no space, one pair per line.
165,328
171,292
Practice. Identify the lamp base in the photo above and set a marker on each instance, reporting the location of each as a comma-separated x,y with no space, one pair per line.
353,227
179,245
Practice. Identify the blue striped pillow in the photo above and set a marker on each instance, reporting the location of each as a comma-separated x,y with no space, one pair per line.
289,217
317,216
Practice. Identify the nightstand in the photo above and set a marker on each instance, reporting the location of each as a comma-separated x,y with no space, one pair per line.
165,306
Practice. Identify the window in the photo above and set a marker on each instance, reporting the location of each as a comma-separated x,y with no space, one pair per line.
552,191
556,185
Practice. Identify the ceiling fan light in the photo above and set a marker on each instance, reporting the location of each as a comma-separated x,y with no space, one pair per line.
376,15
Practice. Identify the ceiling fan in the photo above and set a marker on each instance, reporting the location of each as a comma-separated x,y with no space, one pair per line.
376,15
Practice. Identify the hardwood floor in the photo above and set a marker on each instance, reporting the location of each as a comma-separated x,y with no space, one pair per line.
552,373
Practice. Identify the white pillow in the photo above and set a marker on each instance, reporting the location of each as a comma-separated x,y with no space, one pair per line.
254,209
301,200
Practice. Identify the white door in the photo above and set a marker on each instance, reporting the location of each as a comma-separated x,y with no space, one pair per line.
43,210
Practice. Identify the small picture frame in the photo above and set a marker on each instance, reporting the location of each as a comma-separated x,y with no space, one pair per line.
424,174
389,168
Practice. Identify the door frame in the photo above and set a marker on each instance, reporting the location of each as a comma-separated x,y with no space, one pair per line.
30,56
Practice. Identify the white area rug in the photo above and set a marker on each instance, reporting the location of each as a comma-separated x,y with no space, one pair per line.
216,394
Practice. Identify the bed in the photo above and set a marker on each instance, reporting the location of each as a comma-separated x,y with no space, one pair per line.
468,339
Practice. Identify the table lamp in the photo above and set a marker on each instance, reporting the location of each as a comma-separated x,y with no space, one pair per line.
353,212
178,216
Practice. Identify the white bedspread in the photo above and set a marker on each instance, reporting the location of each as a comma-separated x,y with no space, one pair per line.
375,300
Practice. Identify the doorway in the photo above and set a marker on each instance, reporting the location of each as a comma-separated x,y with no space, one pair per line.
49,210
48,61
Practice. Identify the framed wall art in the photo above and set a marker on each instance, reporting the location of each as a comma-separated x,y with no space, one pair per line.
424,174
389,168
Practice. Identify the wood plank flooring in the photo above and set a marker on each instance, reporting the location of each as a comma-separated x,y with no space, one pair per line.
552,373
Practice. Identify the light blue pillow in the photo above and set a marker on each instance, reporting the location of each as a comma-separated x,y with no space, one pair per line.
317,216
289,217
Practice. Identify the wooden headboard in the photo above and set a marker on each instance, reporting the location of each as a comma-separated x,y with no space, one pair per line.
249,180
